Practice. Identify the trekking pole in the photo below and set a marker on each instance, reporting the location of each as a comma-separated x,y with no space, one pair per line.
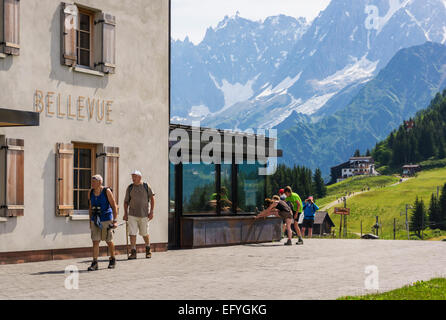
127,236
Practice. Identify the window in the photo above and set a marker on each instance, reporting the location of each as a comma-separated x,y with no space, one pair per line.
84,46
88,39
199,189
76,163
84,169
250,188
10,27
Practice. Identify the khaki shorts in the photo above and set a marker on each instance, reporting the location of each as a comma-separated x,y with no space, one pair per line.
285,215
138,224
103,234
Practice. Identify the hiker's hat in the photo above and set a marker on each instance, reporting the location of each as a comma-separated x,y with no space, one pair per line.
281,191
137,173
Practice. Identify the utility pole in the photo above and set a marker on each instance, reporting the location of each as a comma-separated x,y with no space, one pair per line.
394,229
345,219
408,206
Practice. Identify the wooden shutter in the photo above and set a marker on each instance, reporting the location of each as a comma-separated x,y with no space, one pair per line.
105,34
110,158
13,198
10,28
64,179
68,27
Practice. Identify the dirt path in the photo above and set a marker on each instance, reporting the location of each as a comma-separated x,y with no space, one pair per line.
354,194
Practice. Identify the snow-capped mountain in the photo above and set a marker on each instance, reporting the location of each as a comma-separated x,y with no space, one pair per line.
225,67
257,73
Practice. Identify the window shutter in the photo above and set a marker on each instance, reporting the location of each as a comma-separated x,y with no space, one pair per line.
68,27
10,28
111,169
13,198
64,179
105,34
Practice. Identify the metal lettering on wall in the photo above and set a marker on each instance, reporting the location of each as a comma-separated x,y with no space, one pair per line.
56,105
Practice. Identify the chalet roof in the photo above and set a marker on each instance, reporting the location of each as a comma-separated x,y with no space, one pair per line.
322,216
361,159
411,166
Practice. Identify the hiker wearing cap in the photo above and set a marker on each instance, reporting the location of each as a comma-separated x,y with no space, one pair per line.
278,208
282,194
296,202
310,209
103,219
136,211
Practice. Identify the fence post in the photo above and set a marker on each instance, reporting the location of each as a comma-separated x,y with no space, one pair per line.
394,229
361,229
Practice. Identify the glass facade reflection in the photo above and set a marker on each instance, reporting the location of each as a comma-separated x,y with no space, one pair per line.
199,189
250,188
242,189
226,189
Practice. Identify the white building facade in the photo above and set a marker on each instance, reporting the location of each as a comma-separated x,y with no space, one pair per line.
96,72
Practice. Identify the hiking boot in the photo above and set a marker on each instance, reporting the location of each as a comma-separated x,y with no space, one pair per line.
112,263
300,242
94,266
132,255
148,252
288,243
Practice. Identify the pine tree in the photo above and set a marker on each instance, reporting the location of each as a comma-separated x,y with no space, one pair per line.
319,187
442,205
418,220
357,153
368,153
434,213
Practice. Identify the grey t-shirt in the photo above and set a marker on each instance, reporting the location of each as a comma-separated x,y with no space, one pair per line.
139,204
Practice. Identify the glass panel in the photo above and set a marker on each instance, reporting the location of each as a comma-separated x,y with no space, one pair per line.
226,189
84,40
250,188
84,22
199,191
75,200
76,158
84,58
84,179
83,200
172,188
76,175
85,158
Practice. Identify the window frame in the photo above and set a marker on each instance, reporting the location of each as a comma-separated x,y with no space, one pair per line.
91,14
76,191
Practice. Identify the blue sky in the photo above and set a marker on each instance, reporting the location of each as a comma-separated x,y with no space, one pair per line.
192,17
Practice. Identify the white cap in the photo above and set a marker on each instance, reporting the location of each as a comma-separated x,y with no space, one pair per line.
98,177
136,172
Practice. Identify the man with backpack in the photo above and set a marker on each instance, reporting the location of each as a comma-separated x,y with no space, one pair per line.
136,212
103,214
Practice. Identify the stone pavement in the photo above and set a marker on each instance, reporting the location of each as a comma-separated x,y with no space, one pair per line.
321,269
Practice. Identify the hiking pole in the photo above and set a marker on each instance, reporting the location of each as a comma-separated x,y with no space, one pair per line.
127,237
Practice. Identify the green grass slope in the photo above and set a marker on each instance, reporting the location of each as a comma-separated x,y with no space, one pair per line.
354,184
389,202
434,289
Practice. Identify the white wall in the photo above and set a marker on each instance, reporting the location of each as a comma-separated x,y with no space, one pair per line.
140,114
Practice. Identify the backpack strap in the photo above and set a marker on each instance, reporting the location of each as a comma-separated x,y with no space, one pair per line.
129,188
146,186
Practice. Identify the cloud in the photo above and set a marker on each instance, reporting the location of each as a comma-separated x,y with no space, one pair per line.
192,17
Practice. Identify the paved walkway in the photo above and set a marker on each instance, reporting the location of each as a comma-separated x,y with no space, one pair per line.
321,269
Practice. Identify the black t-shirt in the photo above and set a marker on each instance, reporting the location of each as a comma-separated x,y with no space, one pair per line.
283,206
